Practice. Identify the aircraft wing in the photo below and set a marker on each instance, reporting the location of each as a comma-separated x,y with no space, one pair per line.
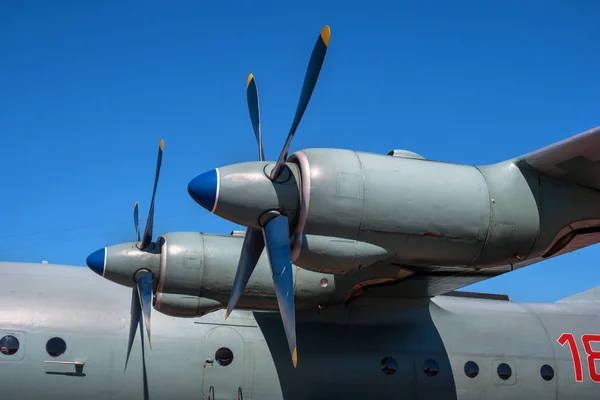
442,280
430,282
589,296
575,159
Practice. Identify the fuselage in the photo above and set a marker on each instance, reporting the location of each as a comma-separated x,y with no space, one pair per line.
374,348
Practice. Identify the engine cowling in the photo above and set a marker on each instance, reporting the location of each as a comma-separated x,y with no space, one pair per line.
202,266
205,265
184,306
410,211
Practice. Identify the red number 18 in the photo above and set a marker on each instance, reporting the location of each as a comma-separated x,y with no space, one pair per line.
592,355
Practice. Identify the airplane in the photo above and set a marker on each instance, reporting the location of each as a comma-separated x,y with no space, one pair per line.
342,211
63,336
356,343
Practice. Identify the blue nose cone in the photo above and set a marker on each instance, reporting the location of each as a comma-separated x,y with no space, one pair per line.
203,189
95,261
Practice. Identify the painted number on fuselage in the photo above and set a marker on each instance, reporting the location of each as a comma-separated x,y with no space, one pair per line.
592,355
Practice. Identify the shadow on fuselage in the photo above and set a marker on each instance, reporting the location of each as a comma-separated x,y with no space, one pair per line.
352,353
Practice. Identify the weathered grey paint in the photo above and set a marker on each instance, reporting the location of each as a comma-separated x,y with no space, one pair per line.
337,255
182,305
340,348
250,193
429,213
514,214
405,205
349,210
203,266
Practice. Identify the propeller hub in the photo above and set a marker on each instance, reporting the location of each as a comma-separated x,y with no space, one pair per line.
120,263
204,189
242,192
97,261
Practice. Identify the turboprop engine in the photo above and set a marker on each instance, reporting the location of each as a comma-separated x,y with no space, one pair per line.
192,274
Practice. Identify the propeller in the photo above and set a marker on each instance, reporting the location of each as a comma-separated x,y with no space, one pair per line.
136,221
254,108
310,81
140,306
142,293
275,234
150,221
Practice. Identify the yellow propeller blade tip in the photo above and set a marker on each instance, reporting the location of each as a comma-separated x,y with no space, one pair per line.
250,77
325,34
226,314
295,357
162,144
135,205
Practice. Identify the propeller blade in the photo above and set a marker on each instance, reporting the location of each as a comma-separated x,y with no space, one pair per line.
136,319
251,250
276,236
144,372
150,222
144,288
136,313
136,221
254,109
310,81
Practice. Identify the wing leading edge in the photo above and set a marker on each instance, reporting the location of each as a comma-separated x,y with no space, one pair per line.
575,159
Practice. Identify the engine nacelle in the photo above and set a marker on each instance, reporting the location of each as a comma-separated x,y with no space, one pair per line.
205,265
412,211
193,266
421,212
186,306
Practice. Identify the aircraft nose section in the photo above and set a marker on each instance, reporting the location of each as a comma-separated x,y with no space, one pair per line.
97,261
204,189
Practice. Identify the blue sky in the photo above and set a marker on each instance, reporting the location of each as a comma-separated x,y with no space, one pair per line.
89,88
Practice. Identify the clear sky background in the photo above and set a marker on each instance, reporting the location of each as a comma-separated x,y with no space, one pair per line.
87,89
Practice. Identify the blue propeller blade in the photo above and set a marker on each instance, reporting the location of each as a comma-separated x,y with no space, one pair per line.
144,287
150,222
136,221
310,81
251,250
144,372
276,236
136,318
254,109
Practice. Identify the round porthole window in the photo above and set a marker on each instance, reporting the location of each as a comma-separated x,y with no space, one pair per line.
471,369
431,367
224,356
547,372
9,345
504,371
56,347
389,365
